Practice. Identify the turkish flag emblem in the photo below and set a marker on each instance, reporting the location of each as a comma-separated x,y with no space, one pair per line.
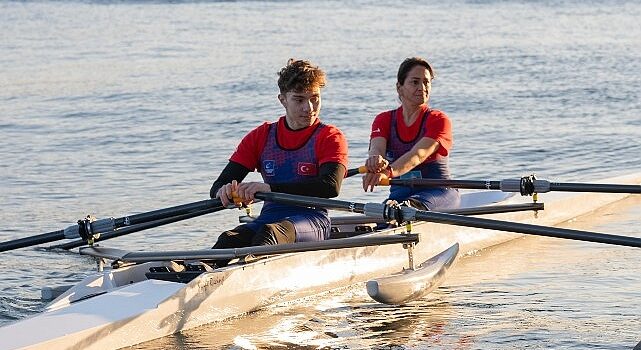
307,169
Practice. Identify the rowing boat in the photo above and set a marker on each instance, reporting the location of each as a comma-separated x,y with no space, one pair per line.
136,300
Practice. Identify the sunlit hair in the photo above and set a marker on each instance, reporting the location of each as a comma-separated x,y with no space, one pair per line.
300,76
410,63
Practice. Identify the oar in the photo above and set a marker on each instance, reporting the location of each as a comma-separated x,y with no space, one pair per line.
355,171
403,214
527,185
88,229
230,253
489,209
495,209
135,228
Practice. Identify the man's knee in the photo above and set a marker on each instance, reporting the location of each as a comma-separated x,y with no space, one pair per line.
236,238
276,233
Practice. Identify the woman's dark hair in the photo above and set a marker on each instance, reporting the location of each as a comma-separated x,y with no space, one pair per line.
410,63
300,76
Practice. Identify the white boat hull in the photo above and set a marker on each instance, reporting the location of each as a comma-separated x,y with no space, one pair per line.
130,313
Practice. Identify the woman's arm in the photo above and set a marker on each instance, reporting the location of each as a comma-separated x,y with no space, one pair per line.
376,161
422,150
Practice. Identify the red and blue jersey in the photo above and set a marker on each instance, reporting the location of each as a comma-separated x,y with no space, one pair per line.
283,156
330,144
401,138
280,165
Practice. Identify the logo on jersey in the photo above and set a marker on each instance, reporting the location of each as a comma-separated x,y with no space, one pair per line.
269,167
389,155
307,169
414,174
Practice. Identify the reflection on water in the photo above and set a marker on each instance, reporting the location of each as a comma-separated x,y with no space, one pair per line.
345,318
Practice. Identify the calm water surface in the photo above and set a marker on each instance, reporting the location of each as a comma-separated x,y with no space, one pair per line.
114,108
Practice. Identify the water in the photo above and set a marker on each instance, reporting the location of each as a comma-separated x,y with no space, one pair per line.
113,108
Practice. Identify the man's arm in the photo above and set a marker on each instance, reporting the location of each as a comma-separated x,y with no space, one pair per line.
326,185
232,171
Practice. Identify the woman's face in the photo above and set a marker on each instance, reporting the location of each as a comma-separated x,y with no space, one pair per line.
417,86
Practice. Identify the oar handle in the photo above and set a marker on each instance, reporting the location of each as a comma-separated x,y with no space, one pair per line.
360,170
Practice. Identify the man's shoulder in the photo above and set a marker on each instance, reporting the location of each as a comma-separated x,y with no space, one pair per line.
261,129
330,129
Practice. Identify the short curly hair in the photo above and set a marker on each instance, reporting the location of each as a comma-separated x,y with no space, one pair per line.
300,76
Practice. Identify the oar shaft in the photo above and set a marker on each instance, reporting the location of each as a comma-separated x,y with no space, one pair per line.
135,228
166,212
94,228
527,228
526,185
305,201
230,253
33,240
490,209
87,228
586,187
469,184
495,209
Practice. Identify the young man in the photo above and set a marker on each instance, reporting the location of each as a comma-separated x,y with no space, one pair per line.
297,154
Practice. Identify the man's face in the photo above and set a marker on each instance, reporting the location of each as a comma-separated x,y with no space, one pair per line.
301,108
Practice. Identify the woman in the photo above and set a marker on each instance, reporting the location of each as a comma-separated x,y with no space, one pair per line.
297,154
412,141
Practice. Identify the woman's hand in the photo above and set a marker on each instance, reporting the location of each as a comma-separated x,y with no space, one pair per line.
376,163
370,180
